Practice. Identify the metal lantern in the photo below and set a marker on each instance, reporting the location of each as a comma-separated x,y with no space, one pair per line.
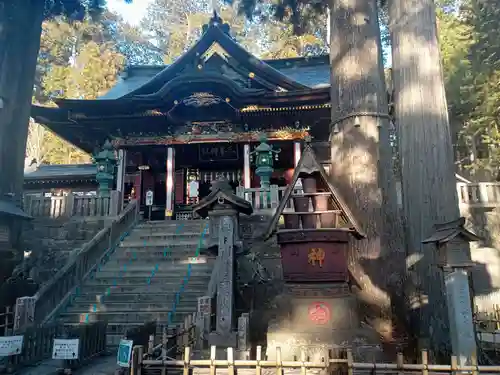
105,161
264,156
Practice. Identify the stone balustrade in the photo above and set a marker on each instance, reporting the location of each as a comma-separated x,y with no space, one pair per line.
479,194
72,205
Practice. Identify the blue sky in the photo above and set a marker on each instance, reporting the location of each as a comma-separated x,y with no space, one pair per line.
132,13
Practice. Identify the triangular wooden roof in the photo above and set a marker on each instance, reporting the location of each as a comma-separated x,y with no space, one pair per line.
308,164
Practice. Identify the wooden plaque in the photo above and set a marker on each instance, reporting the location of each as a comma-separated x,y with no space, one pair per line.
314,261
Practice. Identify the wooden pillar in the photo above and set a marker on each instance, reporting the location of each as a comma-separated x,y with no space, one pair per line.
169,183
120,175
246,166
297,152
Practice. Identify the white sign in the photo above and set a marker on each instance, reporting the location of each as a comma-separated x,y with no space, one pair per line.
149,198
65,349
124,353
11,345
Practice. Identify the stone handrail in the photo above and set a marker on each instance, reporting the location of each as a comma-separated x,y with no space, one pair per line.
72,205
55,294
264,200
479,194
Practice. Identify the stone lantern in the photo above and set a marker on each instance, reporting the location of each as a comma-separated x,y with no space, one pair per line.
264,155
106,165
452,246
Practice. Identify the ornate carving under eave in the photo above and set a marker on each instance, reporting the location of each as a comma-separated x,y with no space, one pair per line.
202,99
208,138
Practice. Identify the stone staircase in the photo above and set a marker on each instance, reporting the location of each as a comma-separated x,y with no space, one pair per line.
141,278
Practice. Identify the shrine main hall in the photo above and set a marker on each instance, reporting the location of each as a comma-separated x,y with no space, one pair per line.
201,118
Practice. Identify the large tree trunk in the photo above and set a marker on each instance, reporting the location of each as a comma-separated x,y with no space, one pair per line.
20,30
361,155
428,175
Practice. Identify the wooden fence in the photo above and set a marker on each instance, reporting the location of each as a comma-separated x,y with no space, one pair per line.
345,365
58,292
72,205
6,321
38,344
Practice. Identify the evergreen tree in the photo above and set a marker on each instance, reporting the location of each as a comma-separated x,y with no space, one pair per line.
20,32
361,158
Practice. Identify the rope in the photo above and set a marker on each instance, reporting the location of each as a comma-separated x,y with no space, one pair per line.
359,114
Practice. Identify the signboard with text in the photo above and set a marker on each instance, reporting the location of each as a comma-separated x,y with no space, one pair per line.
124,353
11,345
65,349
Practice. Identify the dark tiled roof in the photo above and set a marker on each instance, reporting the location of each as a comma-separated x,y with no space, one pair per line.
46,172
312,72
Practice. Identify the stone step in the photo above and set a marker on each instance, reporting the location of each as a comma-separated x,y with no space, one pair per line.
168,282
173,226
176,272
118,297
174,260
138,235
109,304
161,242
142,288
155,248
141,266
124,316
106,306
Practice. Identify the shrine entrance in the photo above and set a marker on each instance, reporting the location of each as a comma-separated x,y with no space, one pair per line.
200,164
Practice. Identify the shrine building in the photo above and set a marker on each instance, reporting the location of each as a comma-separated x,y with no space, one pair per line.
200,118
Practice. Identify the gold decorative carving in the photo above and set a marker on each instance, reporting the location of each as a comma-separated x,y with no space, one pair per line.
202,99
316,255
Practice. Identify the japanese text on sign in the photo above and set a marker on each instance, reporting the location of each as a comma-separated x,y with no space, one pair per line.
11,345
316,255
65,349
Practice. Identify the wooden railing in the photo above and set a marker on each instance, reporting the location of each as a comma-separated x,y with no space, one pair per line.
343,364
38,344
57,293
6,321
479,194
72,205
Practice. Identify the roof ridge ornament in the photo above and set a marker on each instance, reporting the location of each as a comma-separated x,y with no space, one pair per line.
217,21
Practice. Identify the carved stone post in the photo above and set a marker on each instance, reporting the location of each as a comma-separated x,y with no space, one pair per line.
451,240
222,206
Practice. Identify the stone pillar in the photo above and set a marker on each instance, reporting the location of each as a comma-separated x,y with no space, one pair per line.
224,334
204,314
24,314
243,335
297,152
463,341
120,175
169,183
246,166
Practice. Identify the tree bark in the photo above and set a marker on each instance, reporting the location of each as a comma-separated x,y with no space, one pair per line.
426,153
20,30
361,156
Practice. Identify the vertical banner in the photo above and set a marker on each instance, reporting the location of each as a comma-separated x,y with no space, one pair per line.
169,183
246,166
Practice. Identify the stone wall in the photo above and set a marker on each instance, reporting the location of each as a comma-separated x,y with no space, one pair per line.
485,222
49,243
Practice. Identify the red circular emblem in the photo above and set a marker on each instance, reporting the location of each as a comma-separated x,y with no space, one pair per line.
319,313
